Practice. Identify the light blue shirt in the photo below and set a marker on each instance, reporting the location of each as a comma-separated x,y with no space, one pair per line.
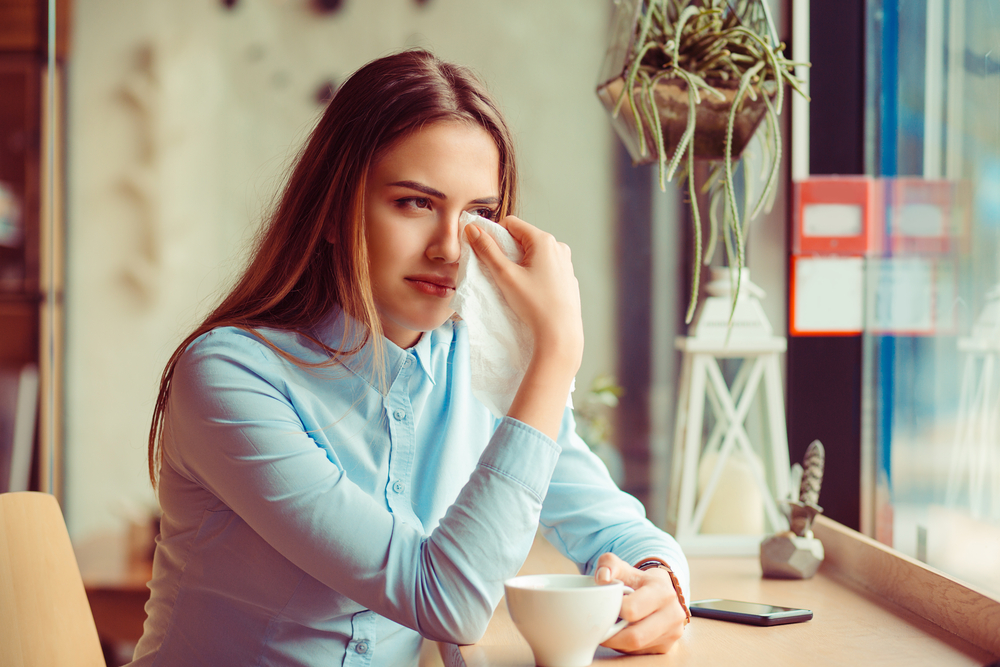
310,519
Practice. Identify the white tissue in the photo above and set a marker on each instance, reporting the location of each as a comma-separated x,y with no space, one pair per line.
500,344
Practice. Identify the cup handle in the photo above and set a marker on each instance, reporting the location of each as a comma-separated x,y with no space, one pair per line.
620,625
613,630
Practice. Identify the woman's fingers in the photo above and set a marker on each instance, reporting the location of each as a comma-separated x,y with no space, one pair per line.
654,633
519,229
486,249
542,289
531,239
656,618
609,568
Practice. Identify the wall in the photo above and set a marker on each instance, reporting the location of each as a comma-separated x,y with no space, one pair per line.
182,117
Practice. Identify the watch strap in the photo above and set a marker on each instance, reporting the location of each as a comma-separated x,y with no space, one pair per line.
650,563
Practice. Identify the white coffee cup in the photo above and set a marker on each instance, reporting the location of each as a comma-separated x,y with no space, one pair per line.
564,616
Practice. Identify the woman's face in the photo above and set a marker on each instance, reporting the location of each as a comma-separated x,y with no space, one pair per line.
413,199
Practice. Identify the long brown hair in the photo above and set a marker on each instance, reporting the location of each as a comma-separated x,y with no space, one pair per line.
312,255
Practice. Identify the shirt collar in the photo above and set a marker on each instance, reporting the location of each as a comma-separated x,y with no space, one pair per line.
341,331
424,350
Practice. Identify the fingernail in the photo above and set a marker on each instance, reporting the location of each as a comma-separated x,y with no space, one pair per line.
473,231
603,575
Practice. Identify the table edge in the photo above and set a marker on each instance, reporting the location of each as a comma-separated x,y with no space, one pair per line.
911,584
451,655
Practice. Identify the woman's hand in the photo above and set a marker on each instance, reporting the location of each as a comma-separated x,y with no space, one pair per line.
542,290
655,615
544,293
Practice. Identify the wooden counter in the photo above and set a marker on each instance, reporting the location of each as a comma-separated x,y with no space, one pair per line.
871,606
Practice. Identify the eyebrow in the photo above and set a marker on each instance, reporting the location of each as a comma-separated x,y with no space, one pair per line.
420,187
432,192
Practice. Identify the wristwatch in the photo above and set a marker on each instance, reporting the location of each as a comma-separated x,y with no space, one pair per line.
649,564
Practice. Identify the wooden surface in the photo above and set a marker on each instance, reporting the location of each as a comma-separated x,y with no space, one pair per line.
851,626
24,26
930,594
44,615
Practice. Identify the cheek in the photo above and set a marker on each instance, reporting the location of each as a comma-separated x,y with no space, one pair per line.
391,253
380,245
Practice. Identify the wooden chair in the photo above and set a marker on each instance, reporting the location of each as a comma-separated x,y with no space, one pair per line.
45,618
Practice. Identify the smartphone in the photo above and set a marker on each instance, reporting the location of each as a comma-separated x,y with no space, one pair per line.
748,612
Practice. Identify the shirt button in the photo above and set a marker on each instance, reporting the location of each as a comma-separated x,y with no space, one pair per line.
398,486
407,361
361,647
399,415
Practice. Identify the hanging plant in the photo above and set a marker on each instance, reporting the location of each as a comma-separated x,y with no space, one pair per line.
688,80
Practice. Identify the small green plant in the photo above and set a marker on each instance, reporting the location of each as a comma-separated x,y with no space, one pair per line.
724,58
593,418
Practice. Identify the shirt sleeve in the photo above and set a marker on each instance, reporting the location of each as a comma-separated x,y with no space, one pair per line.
586,515
231,430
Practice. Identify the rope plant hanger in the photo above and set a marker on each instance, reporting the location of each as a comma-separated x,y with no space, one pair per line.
723,60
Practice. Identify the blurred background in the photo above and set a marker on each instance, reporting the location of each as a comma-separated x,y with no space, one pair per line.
133,180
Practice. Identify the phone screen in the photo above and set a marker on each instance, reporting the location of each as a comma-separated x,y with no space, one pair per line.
748,612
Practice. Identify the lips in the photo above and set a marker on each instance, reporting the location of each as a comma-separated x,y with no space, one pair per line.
433,285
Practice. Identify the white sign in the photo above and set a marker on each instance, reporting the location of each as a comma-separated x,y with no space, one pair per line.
829,294
832,220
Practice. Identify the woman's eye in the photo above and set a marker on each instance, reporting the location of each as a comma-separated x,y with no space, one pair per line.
488,213
413,202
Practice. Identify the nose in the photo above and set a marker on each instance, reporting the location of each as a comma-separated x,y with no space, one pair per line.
445,245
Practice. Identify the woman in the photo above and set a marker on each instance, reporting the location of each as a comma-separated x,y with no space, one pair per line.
331,492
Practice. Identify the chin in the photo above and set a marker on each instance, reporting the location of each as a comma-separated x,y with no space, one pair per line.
427,321
432,324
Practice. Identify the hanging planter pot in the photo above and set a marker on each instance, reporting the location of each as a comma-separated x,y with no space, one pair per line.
688,80
671,98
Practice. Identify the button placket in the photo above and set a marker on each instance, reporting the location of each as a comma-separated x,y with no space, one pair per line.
361,648
402,433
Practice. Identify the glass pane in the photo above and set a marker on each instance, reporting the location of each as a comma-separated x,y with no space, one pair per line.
933,314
